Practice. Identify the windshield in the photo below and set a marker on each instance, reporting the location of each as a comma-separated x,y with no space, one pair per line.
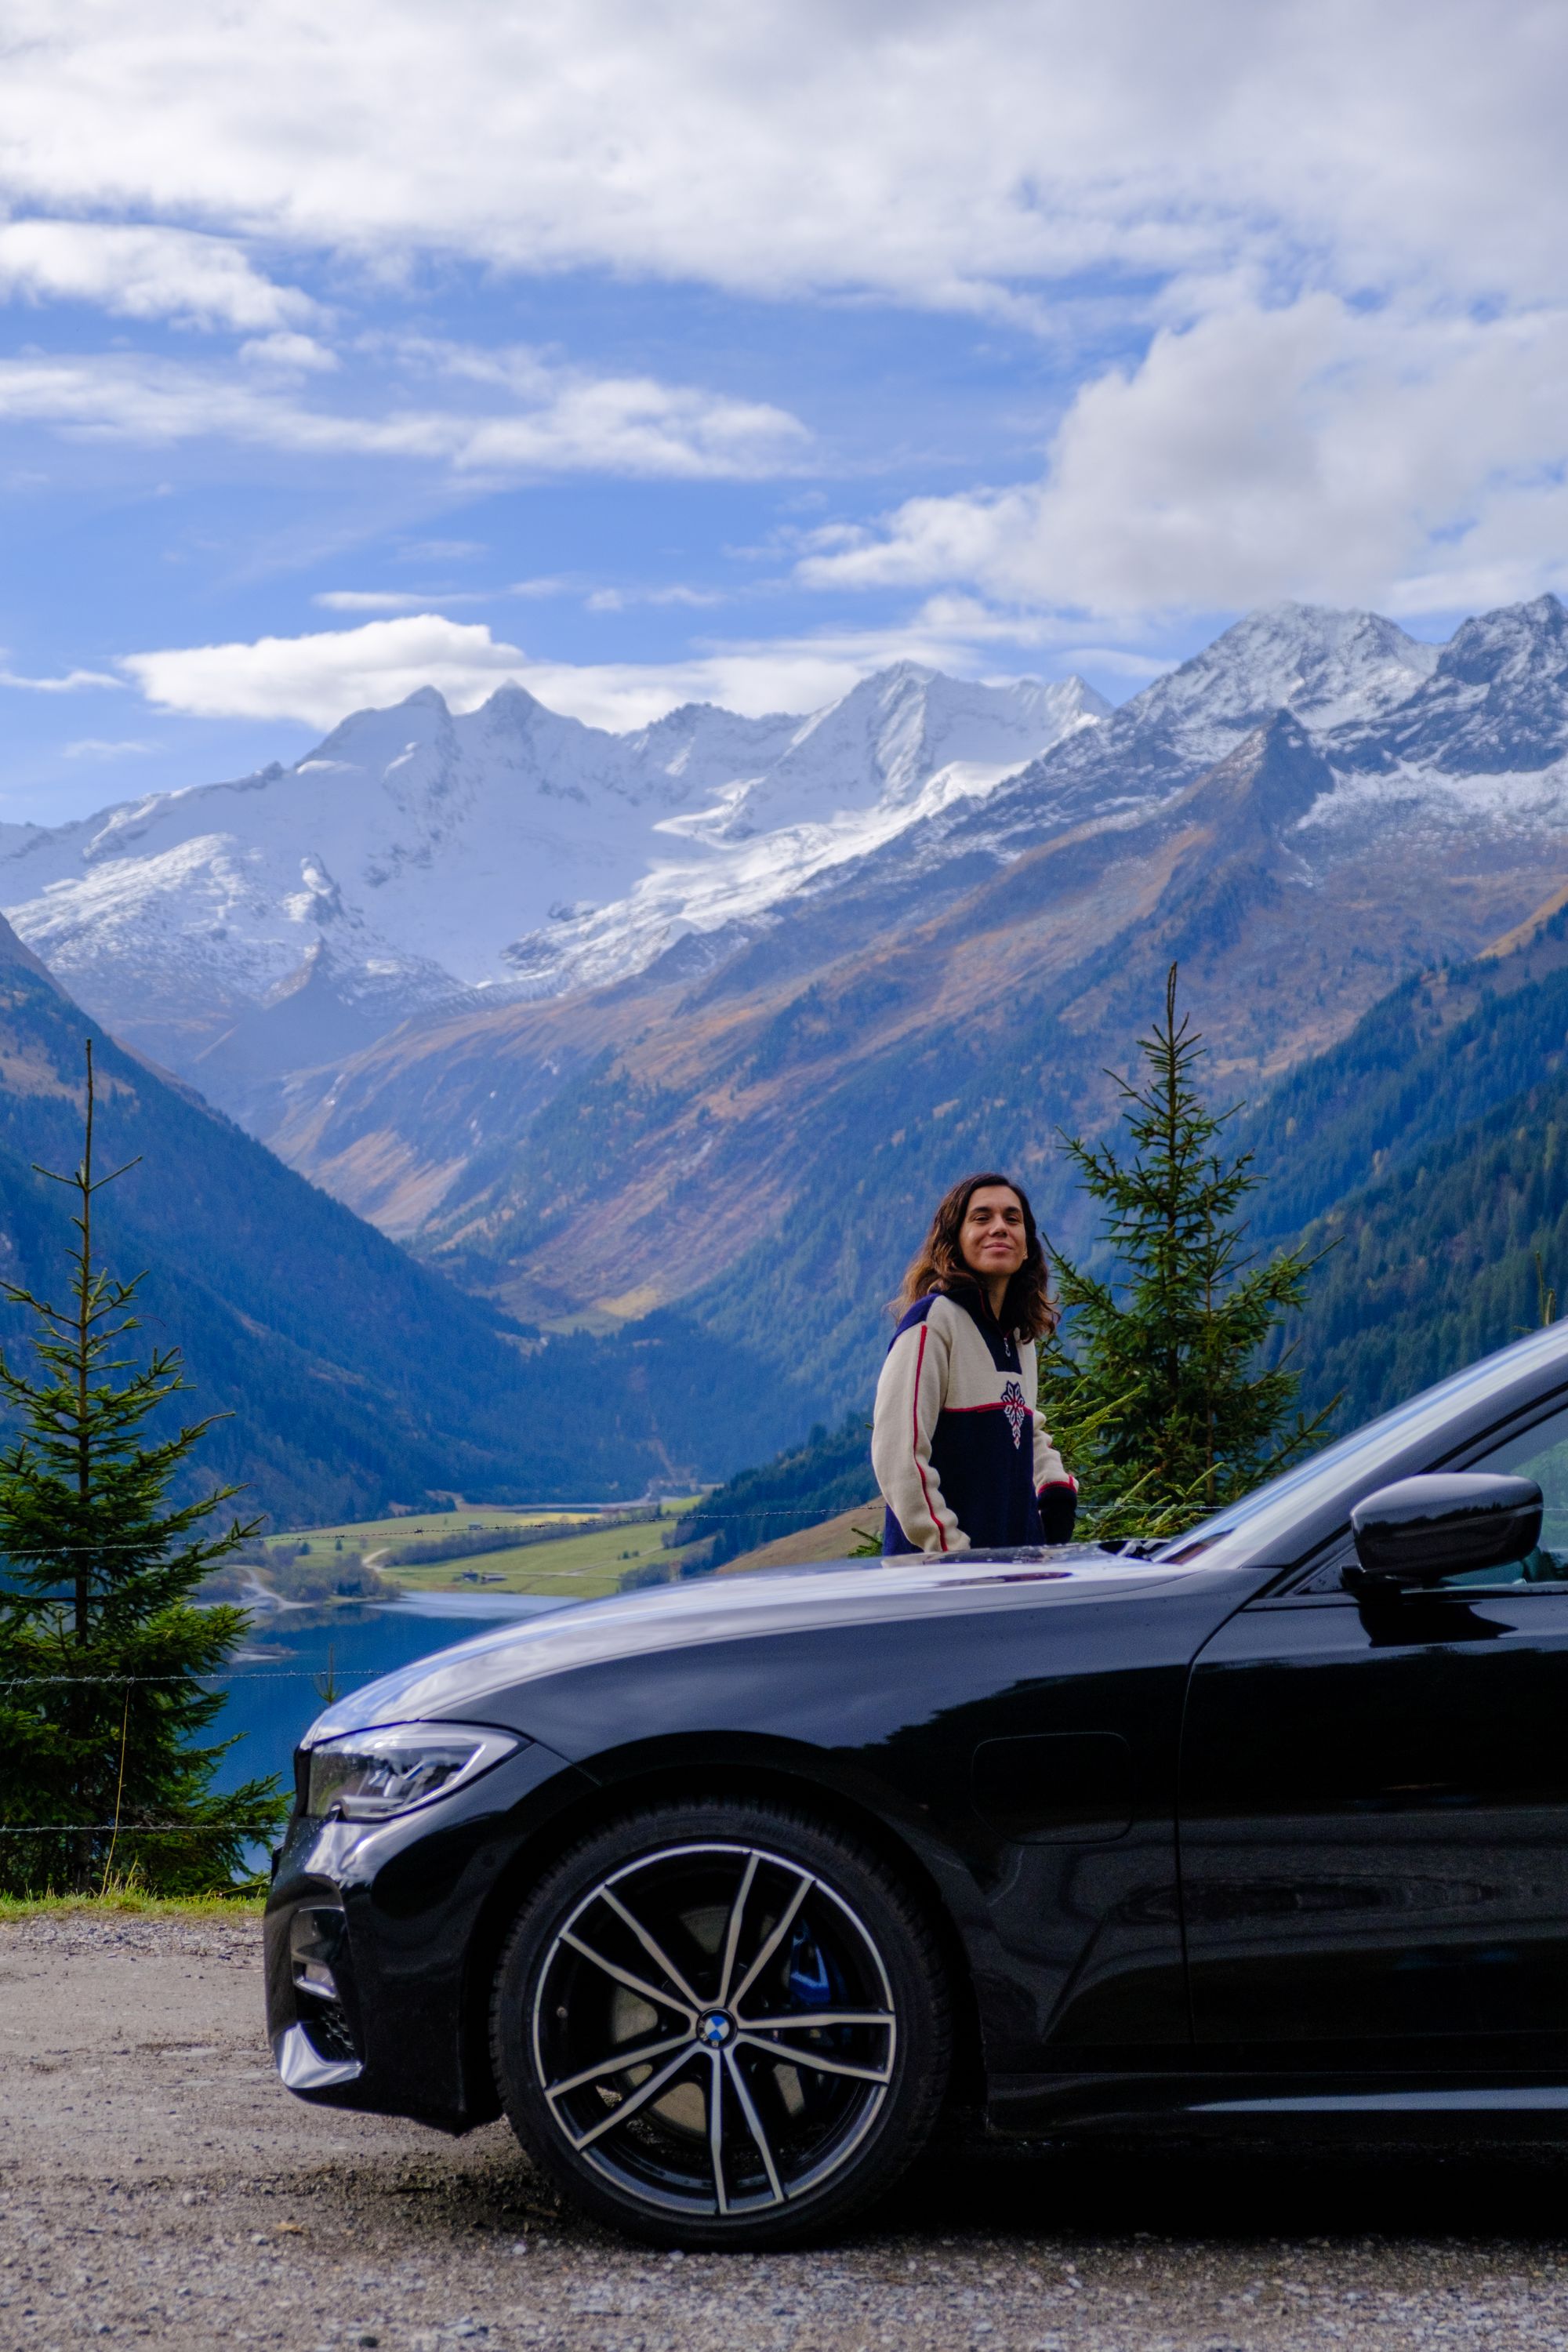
1268,1515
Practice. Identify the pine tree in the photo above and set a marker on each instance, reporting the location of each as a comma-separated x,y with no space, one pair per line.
1156,1387
104,1658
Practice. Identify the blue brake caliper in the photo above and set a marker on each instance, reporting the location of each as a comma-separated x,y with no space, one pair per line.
810,1985
815,1983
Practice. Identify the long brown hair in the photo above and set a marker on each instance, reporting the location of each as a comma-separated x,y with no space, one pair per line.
937,1264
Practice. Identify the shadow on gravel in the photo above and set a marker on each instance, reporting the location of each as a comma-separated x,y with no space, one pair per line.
1470,2191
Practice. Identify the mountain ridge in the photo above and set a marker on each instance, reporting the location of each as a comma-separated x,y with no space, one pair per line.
1033,979
415,856
747,1129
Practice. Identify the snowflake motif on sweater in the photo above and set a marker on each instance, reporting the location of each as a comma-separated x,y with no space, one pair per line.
1019,1417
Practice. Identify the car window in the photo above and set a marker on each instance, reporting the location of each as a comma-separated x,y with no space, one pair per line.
1541,1453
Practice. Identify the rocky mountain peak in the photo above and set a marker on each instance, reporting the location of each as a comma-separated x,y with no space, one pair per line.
372,738
882,740
1496,703
1324,665
1272,778
512,704
1507,645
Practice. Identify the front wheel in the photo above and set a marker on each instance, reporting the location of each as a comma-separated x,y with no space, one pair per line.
721,2024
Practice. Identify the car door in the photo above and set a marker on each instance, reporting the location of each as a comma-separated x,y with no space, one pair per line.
1374,1813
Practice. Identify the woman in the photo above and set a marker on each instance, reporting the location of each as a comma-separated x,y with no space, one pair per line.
960,1455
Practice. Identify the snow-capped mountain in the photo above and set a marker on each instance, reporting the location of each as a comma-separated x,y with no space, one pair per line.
1494,702
415,855
1334,672
878,766
418,863
1330,670
1301,818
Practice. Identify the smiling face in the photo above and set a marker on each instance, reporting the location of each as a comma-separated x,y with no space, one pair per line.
992,1240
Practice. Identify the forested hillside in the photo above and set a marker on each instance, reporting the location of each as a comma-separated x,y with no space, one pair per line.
1456,1256
1425,1154
1431,1057
829,1473
353,1376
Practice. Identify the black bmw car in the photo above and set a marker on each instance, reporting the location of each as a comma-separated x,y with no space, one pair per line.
727,1893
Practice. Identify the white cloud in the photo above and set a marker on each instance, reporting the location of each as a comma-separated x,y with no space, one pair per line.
621,600
408,600
296,354
146,273
946,155
566,420
1343,227
1312,449
72,683
94,747
320,677
371,599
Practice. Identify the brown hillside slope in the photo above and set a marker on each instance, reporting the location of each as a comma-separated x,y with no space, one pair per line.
834,1539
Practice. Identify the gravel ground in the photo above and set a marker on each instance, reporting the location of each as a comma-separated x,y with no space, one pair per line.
156,2182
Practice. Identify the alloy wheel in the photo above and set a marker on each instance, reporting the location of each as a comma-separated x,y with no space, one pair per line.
713,2030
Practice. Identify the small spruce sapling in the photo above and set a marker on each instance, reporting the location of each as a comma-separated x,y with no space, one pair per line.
105,1661
1155,1387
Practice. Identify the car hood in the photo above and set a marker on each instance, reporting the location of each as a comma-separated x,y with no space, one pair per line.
454,1681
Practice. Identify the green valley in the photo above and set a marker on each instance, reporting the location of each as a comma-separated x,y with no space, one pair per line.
562,1554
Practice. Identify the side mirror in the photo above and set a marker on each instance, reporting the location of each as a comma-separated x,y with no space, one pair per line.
1411,1535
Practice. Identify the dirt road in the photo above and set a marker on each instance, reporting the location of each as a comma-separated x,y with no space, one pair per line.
156,2184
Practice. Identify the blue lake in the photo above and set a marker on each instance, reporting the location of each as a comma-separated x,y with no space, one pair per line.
292,1658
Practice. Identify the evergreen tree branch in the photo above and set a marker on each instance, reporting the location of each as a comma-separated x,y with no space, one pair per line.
106,1702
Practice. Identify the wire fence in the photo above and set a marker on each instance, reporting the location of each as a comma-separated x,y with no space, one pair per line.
232,1673
808,1513
128,1829
123,1830
213,1673
811,1512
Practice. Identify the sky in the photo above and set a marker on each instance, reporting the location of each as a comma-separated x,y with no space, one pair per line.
646,354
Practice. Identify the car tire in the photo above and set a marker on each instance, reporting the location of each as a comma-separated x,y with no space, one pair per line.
640,2036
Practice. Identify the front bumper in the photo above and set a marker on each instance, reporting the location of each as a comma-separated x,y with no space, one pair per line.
381,1938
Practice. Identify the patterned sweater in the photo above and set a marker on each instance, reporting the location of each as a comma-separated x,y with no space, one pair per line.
962,1455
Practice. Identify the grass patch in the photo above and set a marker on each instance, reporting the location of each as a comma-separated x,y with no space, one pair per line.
365,1535
128,1903
584,1567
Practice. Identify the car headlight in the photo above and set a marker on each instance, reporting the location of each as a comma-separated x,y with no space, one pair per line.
366,1776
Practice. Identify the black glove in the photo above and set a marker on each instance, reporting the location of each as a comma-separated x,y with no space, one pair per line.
1058,1512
